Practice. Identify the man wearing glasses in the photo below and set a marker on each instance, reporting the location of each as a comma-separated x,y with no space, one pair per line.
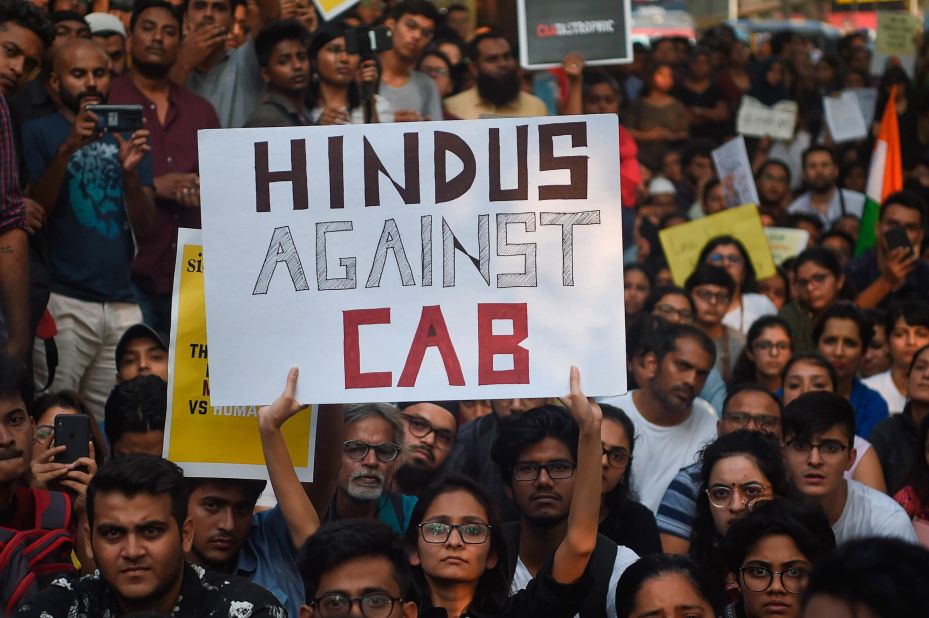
370,455
750,406
819,429
429,428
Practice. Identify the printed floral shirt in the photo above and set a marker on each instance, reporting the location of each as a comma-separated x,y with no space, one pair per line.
203,594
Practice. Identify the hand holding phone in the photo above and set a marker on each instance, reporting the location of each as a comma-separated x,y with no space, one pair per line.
72,431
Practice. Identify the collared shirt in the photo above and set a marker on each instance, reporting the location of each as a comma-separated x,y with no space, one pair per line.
12,208
205,594
276,110
269,559
843,202
174,149
863,270
468,105
233,85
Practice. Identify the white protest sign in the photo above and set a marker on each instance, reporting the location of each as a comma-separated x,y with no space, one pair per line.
414,261
756,119
735,173
786,242
895,41
867,101
844,118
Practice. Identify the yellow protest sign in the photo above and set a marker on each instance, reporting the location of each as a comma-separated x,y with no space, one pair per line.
896,33
202,439
331,8
682,243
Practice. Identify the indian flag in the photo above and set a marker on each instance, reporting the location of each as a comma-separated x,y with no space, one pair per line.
885,175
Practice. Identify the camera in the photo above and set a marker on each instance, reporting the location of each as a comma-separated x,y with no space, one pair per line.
368,42
118,118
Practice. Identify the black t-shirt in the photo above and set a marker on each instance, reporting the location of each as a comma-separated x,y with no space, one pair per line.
707,99
20,515
634,526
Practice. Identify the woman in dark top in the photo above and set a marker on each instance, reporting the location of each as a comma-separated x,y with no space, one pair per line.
707,110
622,519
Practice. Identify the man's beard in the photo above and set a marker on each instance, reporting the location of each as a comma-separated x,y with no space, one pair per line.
545,521
412,479
73,103
498,91
821,186
150,69
360,491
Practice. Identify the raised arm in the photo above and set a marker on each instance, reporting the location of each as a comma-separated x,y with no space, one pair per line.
575,550
296,507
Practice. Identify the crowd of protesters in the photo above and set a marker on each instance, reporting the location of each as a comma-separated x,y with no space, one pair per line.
771,457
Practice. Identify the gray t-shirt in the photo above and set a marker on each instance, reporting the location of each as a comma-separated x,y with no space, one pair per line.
233,86
419,94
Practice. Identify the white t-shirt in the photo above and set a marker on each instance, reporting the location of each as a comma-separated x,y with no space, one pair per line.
625,557
869,513
753,307
883,383
660,452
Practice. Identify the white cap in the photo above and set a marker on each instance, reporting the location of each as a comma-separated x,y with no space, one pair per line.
661,186
104,23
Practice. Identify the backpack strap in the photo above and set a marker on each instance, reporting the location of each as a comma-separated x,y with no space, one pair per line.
600,568
52,510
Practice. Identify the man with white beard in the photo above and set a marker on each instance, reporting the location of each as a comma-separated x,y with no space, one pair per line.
370,454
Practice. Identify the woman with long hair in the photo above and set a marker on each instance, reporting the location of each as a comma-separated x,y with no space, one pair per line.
776,288
657,120
660,585
738,469
622,519
819,282
459,556
746,305
637,287
809,371
767,350
914,495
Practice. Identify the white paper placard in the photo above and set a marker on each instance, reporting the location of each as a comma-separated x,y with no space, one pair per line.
414,261
844,118
735,173
867,101
756,119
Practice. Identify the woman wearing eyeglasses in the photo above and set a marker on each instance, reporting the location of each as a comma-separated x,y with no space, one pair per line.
818,281
622,519
767,350
460,561
746,304
738,469
772,550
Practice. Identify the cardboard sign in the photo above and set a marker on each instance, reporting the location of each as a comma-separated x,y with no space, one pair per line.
786,242
597,29
414,261
216,441
682,243
330,8
735,173
895,41
844,117
756,119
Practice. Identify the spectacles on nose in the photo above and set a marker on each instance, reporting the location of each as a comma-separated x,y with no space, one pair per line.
718,259
473,533
769,346
765,422
828,449
372,605
759,578
721,496
669,311
357,449
617,457
816,281
714,298
556,470
420,427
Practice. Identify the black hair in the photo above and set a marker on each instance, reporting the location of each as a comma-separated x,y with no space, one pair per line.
667,290
815,413
666,341
140,473
143,5
913,312
13,376
594,76
275,32
474,45
727,240
907,199
645,270
252,487
818,148
751,387
493,586
622,493
699,147
652,567
765,451
794,220
70,400
845,310
28,16
841,235
416,7
136,406
707,274
60,16
806,525
338,542
745,370
888,576
520,431
815,358
232,5
821,256
772,163
320,37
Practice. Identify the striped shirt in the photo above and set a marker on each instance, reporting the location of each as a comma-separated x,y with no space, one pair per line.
12,207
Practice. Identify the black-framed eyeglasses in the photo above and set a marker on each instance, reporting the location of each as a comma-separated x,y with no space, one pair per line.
473,533
826,448
420,427
767,346
373,605
670,311
765,422
556,470
708,296
758,578
358,449
617,457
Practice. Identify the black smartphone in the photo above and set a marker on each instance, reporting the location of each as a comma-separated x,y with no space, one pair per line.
896,237
73,432
118,118
368,42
